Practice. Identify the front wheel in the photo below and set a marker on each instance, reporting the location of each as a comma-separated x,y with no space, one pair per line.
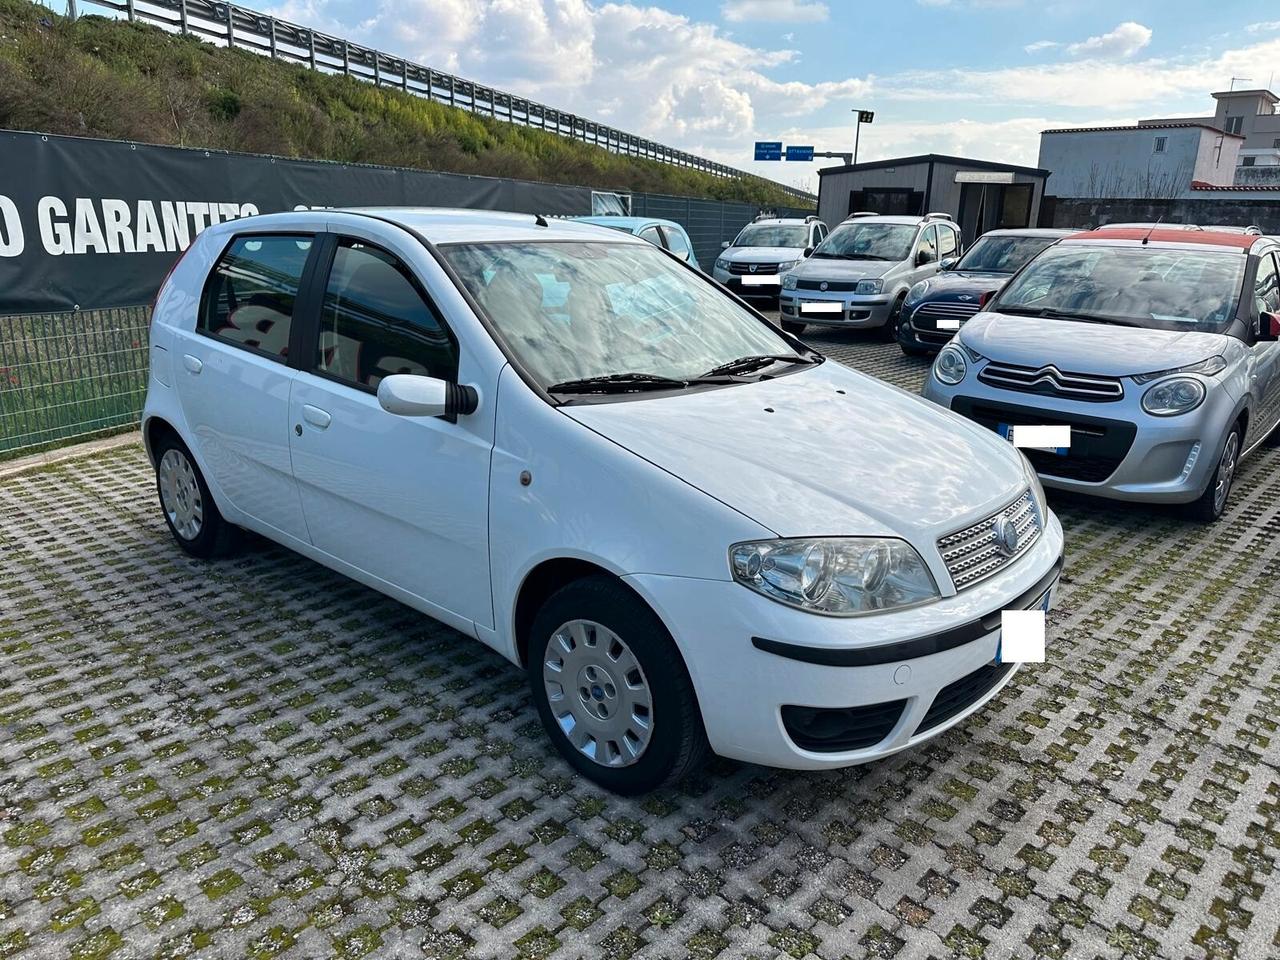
794,327
188,507
895,318
1211,504
611,688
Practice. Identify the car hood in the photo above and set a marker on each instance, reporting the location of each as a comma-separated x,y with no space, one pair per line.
762,254
954,283
1076,347
824,269
803,459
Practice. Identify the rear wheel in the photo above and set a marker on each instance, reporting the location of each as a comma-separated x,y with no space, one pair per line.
188,507
1211,504
794,327
611,688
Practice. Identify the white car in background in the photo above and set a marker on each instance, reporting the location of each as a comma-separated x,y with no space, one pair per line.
578,450
753,263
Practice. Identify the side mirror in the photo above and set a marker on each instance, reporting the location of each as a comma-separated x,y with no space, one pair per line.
808,252
1269,328
725,245
946,263
409,395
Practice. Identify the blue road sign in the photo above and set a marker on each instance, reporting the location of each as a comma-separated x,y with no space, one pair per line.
799,153
768,149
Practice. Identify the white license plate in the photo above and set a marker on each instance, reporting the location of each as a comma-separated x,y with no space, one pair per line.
948,323
764,280
1052,438
1042,604
821,306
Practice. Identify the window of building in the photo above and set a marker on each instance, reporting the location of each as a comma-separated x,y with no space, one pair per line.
1275,144
251,293
376,322
1235,124
1248,161
1160,144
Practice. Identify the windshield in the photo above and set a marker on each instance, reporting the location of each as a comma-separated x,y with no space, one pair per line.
1155,287
868,241
1002,254
576,310
772,235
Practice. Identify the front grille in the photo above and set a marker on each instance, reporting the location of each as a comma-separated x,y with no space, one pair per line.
845,728
1051,381
833,286
927,315
956,697
760,268
973,554
1098,445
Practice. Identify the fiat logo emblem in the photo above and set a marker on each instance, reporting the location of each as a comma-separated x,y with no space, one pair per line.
822,285
1005,535
752,268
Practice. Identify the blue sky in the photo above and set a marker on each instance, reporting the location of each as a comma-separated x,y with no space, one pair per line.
978,78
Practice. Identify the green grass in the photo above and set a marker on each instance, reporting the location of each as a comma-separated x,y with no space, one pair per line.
96,77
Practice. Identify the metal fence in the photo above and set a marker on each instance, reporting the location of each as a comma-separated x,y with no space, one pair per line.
70,376
235,26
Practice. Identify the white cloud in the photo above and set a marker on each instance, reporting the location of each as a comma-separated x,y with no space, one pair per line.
777,11
1265,27
1124,41
1041,45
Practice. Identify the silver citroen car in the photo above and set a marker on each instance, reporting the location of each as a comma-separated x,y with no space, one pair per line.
1156,350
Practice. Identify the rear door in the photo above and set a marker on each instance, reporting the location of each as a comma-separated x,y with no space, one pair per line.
403,500
233,378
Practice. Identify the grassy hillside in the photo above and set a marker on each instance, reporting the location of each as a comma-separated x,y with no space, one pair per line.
106,78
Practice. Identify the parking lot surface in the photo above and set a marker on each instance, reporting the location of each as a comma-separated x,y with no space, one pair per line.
259,757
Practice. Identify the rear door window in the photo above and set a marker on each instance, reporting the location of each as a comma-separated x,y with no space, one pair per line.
376,321
251,294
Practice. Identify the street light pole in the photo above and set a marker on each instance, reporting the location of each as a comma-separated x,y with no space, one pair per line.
864,116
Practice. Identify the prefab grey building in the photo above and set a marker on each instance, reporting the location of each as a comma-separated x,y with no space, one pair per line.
978,194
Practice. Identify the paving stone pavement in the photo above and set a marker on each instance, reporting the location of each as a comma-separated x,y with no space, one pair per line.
257,757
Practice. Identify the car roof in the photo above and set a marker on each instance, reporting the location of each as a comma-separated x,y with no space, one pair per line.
786,221
630,223
889,218
1028,232
450,225
1237,241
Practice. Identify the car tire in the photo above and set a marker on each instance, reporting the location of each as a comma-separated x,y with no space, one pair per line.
794,327
188,508
894,318
1211,504
611,688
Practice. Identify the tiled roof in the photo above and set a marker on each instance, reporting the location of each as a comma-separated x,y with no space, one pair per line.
1173,124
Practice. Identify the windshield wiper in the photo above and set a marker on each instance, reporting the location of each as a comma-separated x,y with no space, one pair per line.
1053,313
618,383
747,364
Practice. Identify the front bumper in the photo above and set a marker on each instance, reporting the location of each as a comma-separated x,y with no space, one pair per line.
850,310
742,689
1118,451
767,285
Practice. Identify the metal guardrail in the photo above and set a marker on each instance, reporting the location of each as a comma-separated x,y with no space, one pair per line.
280,39
70,376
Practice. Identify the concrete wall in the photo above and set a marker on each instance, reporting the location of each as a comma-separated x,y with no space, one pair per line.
1071,212
1124,163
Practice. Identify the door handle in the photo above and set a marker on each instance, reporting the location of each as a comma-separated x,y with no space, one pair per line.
193,364
315,416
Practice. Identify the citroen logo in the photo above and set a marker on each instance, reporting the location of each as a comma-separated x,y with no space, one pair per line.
1005,535
752,268
822,285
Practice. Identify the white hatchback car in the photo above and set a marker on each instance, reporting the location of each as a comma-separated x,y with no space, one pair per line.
687,527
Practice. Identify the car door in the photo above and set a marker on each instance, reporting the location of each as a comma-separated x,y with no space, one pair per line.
1265,375
402,500
234,379
926,243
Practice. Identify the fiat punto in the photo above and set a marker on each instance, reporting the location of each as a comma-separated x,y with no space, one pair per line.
690,530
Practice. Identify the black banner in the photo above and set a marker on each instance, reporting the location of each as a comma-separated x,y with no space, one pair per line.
89,224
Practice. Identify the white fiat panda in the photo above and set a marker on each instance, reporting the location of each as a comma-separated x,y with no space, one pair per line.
689,529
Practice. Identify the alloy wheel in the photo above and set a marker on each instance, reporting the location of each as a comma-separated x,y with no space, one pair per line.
1226,471
598,693
180,494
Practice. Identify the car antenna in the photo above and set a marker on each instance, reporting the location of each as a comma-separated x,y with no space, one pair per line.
1152,230
540,220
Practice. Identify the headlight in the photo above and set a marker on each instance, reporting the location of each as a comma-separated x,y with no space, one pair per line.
789,265
789,282
866,288
722,263
917,291
951,365
1210,367
840,576
1037,488
1168,398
